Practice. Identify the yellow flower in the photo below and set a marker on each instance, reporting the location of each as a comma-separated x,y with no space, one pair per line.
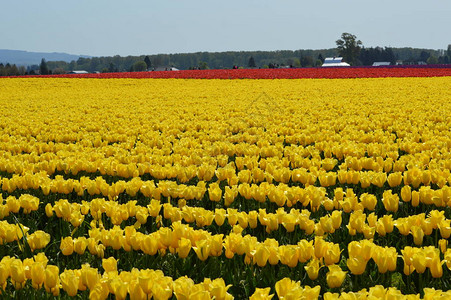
390,201
285,286
67,246
17,271
261,294
51,279
37,274
109,264
215,192
335,276
418,235
202,249
312,268
394,179
70,282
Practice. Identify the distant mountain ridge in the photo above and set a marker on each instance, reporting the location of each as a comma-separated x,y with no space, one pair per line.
26,58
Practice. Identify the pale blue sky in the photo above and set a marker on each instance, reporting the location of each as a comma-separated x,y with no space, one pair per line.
109,27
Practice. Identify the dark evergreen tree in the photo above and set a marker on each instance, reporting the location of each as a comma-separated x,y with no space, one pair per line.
43,68
251,63
148,62
424,56
111,68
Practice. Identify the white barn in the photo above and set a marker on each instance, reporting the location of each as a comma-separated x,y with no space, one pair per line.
381,63
78,72
334,62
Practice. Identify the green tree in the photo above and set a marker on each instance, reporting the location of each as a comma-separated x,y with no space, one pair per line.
203,65
112,68
43,68
349,48
139,66
251,63
148,62
432,60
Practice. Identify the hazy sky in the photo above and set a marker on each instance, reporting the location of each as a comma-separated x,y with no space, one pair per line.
110,27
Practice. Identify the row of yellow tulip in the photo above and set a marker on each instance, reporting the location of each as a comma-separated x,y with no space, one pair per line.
268,171
142,284
138,284
379,292
281,194
417,225
28,202
359,222
15,232
182,238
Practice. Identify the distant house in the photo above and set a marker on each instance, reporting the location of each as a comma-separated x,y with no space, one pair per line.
381,63
334,62
78,72
166,69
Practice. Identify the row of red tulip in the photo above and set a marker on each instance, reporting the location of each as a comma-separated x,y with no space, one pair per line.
362,72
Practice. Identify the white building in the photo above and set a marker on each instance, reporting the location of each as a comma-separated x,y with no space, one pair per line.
78,72
334,62
381,63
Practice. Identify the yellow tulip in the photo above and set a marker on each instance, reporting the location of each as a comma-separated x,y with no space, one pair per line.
368,201
435,266
285,286
218,289
289,222
214,192
289,255
109,264
394,179
70,282
406,193
89,276
202,249
67,246
17,272
356,264
332,255
261,294
312,268
100,291
390,201
80,245
120,288
335,276
443,245
419,261
261,255
418,235
37,274
445,228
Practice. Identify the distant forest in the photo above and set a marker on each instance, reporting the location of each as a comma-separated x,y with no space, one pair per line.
261,59
231,59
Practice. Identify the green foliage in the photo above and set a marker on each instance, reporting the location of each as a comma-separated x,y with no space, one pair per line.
139,66
148,62
43,68
349,48
251,63
203,65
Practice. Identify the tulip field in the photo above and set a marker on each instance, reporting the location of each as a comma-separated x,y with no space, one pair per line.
185,188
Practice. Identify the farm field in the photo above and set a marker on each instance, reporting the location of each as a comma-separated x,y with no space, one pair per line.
219,189
283,73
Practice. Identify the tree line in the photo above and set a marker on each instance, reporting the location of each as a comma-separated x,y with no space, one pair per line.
351,49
